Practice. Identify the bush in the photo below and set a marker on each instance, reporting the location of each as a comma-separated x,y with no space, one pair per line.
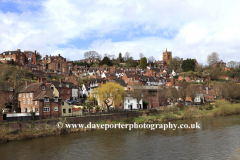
209,107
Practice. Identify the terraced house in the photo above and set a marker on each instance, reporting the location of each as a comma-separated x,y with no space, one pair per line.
39,98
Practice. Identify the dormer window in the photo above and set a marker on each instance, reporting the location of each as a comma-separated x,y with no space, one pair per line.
9,53
55,99
67,86
43,88
46,99
60,85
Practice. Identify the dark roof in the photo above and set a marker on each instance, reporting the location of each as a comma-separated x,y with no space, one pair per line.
30,88
121,82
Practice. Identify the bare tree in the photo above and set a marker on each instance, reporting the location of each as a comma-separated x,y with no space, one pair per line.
137,93
174,63
126,56
163,94
183,91
174,94
232,64
141,55
91,54
193,91
151,59
212,58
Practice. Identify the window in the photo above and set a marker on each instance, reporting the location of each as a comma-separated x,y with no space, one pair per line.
43,88
61,97
28,101
25,110
55,99
55,108
61,91
27,95
64,110
35,102
52,88
31,101
31,95
69,110
24,101
46,99
36,110
60,85
67,86
23,95
68,98
62,103
19,95
46,109
68,91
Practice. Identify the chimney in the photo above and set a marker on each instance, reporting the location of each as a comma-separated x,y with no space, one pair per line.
59,55
181,59
60,80
26,83
19,50
221,60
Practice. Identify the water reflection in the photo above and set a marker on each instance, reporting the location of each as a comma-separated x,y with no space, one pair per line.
218,138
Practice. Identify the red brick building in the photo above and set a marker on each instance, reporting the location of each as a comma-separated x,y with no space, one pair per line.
39,97
19,58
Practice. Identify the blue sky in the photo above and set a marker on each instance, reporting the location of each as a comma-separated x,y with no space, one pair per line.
190,29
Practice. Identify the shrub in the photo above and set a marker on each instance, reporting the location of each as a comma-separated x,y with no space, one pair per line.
209,107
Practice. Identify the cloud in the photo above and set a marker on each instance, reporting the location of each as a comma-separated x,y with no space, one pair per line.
191,29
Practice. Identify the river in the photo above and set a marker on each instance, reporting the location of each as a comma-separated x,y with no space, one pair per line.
218,138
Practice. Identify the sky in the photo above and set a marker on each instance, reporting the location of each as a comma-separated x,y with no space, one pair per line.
188,28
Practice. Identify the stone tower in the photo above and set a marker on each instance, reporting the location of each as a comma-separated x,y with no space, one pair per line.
167,56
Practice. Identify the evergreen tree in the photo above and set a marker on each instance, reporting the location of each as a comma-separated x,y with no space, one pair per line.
143,62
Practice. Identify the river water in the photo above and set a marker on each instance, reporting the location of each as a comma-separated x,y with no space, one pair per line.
218,138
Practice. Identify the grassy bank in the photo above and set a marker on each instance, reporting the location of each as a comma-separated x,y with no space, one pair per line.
174,113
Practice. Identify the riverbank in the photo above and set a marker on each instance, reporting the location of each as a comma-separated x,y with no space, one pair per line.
31,130
220,108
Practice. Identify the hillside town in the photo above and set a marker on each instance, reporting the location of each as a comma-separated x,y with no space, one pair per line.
53,87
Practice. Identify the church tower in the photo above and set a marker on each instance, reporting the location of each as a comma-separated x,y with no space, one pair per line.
167,56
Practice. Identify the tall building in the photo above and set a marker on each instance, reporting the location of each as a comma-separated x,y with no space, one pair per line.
167,56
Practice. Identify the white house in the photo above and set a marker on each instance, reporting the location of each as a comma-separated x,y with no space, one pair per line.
130,103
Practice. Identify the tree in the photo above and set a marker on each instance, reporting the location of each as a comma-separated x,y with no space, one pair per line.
106,61
137,93
232,64
212,58
141,55
38,56
120,57
173,94
174,63
126,56
109,93
151,60
216,72
143,62
91,54
163,94
193,91
183,91
188,65
131,62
